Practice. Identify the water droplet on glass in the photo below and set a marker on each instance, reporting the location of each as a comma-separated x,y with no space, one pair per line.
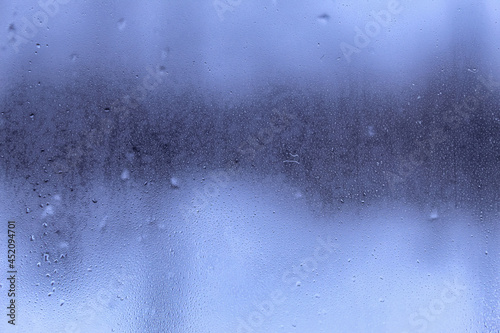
174,182
434,214
121,24
125,174
324,18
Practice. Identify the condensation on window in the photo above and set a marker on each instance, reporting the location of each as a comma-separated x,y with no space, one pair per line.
250,166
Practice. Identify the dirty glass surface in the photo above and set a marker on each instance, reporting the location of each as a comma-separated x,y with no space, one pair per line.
249,166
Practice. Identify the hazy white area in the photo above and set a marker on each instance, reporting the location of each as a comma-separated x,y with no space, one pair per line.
251,44
254,259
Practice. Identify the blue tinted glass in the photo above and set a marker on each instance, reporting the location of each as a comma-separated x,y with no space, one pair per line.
249,166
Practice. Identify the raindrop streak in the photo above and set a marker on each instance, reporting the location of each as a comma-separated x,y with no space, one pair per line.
121,24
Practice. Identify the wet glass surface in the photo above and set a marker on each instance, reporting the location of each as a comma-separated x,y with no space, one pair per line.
250,166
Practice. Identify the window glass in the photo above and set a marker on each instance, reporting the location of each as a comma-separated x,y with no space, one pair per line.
249,166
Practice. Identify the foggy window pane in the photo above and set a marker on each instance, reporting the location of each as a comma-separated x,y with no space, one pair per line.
250,166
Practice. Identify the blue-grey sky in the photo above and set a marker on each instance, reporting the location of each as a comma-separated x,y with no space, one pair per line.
240,45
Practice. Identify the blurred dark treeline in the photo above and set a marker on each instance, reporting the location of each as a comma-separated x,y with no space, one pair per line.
437,142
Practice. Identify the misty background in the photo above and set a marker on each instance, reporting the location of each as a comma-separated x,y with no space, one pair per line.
179,166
